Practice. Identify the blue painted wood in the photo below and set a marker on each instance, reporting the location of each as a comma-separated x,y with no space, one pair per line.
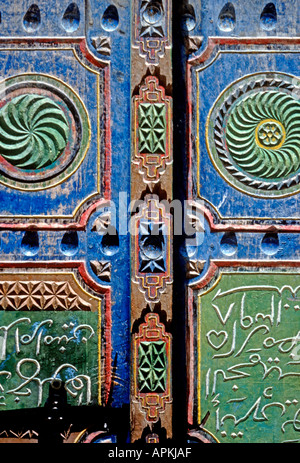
49,42
246,223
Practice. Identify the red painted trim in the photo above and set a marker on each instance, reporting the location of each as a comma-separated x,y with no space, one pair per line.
107,114
89,56
108,326
108,149
34,40
79,225
190,357
86,214
209,275
48,264
189,109
81,41
274,228
92,436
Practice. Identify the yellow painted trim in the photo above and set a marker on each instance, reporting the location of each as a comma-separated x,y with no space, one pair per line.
199,359
99,353
247,51
212,435
271,147
80,435
198,133
83,64
135,366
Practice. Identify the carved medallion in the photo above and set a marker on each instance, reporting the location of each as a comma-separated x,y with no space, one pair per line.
253,136
152,266
34,131
42,140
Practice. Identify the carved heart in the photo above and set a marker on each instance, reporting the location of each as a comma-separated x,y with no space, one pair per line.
224,334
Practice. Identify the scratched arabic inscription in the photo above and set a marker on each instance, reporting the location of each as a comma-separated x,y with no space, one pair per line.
37,347
249,357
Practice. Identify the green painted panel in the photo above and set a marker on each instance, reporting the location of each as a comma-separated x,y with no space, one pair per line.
36,347
249,357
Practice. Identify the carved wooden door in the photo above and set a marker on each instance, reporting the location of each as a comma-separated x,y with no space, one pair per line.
149,223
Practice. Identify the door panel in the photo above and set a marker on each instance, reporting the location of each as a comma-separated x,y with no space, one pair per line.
65,270
243,266
149,222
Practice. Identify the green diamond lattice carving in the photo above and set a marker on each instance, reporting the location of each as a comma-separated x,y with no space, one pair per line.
152,371
152,128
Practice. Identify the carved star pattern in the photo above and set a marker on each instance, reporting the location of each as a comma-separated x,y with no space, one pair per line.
40,295
152,366
152,128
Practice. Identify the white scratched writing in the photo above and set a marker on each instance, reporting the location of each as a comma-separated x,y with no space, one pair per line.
250,341
39,336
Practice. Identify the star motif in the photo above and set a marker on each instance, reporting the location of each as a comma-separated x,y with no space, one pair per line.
152,128
39,295
152,366
152,15
152,31
152,248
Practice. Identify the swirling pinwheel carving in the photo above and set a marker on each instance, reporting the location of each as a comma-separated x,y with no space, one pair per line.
34,131
253,135
263,137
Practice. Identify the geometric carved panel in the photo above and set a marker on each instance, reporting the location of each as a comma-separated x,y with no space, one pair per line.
151,33
152,363
152,127
152,130
152,266
152,366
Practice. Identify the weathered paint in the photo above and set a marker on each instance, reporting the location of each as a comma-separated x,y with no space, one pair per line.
247,244
47,215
